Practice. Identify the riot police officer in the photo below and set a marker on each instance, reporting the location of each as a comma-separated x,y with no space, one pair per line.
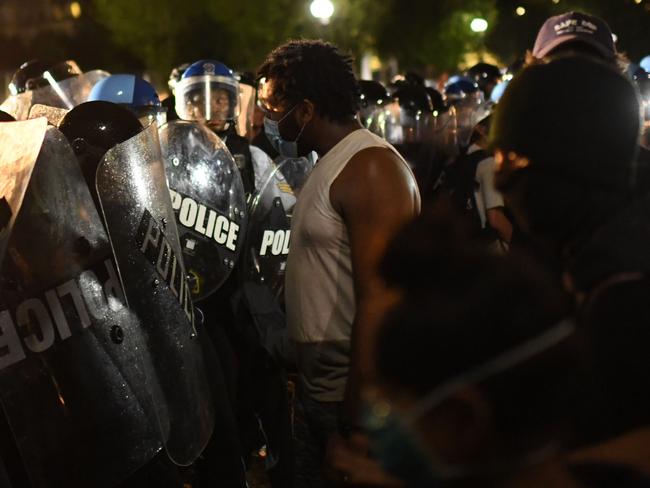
208,92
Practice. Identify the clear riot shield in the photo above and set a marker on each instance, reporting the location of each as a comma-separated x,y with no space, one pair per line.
135,200
269,227
54,115
18,105
247,104
208,200
66,94
20,143
75,382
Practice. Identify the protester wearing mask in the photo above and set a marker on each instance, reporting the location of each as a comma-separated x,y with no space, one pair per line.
340,228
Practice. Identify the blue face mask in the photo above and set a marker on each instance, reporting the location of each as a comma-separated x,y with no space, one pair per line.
393,435
399,452
287,149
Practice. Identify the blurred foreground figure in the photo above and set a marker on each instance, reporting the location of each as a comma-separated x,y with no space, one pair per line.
569,182
477,367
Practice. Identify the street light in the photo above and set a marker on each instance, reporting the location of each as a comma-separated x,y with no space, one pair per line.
478,25
520,11
322,10
75,10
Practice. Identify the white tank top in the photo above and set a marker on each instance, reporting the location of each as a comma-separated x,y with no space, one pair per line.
319,288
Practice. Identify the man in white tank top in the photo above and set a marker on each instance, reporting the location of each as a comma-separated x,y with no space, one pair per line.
358,195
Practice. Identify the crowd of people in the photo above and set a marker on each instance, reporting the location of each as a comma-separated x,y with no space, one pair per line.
355,284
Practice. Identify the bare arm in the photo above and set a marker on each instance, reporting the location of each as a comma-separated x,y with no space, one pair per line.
499,222
375,194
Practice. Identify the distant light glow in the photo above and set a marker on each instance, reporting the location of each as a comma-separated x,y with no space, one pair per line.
75,10
638,1
556,2
322,10
478,25
520,11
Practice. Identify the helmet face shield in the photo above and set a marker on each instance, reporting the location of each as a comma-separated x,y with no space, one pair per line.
402,126
149,115
470,110
208,99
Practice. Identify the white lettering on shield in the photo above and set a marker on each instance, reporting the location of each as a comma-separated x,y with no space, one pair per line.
37,323
277,242
159,251
205,221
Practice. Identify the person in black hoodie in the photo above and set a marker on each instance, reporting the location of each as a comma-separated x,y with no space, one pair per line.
566,155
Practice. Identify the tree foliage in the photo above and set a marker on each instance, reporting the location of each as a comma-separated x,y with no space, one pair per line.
419,33
425,33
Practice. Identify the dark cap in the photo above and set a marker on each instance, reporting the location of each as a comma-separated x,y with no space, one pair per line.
574,27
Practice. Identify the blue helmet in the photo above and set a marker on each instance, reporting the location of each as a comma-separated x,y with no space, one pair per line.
498,90
645,63
132,92
459,87
467,99
208,92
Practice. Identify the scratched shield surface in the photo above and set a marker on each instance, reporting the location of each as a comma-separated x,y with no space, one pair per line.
137,208
269,230
77,385
208,200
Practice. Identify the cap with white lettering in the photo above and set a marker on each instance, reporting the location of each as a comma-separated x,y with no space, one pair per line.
574,27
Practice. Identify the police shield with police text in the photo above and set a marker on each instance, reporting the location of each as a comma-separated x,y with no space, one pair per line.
134,197
77,384
270,223
208,201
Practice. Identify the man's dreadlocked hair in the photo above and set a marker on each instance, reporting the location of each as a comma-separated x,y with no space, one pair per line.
317,71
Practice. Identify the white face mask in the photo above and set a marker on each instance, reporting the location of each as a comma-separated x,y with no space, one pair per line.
288,149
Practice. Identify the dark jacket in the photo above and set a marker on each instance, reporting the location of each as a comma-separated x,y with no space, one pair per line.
611,272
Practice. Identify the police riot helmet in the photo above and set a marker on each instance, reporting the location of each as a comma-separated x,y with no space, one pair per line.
437,100
175,76
645,63
372,93
468,102
409,116
5,117
208,92
460,87
485,75
413,98
132,92
373,100
93,128
35,74
413,78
